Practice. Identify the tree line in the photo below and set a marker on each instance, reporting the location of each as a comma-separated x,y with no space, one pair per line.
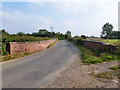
42,34
109,33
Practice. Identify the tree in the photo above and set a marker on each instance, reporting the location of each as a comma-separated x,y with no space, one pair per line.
115,35
68,33
107,30
4,32
43,31
20,34
83,36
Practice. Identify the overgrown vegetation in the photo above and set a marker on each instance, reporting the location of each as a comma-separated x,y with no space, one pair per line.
108,33
115,67
106,75
109,74
6,38
114,42
90,56
42,34
10,57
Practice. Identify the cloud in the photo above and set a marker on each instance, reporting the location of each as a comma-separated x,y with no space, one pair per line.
83,17
16,21
90,16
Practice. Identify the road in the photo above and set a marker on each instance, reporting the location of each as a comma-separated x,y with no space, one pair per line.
36,70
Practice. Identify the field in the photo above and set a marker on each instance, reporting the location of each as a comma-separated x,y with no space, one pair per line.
114,42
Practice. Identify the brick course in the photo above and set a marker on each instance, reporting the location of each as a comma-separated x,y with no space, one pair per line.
25,47
99,46
96,45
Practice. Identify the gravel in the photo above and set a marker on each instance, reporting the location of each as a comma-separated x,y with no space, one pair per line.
77,75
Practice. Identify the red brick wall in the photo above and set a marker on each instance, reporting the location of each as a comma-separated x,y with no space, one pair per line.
25,47
98,45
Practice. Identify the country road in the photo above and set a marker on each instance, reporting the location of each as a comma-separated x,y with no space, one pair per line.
35,70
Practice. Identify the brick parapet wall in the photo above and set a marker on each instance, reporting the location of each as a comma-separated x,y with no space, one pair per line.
26,47
99,45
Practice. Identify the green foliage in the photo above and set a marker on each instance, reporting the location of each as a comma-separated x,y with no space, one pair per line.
61,37
108,33
80,41
109,74
114,42
83,36
115,35
26,53
68,33
90,56
106,75
20,37
20,34
108,57
107,30
115,67
51,45
3,48
42,34
91,59
10,57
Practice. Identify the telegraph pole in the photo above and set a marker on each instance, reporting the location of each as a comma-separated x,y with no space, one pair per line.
51,30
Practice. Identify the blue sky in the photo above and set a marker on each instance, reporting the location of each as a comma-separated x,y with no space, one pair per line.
80,18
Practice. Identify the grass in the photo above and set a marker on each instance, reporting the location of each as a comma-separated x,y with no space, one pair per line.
51,45
106,75
15,56
90,56
114,42
115,67
116,70
109,74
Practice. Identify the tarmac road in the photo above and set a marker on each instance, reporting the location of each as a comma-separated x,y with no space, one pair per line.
36,70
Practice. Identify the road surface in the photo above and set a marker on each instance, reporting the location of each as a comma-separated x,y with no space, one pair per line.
36,70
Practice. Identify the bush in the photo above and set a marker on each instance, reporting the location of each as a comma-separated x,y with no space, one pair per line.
108,57
3,48
91,59
79,41
8,38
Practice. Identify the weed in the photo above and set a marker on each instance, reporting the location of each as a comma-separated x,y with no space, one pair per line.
90,56
115,67
106,75
51,45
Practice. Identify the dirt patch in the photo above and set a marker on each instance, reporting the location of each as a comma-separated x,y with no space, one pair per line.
78,75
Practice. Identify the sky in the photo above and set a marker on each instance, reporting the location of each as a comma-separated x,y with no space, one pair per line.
81,17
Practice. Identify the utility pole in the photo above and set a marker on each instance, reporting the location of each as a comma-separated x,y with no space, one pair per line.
51,30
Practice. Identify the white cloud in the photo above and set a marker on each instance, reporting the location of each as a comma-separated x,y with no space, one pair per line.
86,17
90,15
16,21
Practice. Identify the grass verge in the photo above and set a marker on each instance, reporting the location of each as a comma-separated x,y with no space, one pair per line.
15,56
51,45
90,56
